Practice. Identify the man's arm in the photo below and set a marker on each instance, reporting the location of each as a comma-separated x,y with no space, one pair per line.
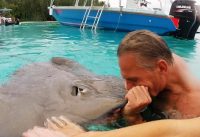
161,128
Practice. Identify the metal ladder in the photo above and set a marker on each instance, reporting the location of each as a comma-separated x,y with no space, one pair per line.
96,18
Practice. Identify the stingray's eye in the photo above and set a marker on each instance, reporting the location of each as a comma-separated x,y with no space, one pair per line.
77,91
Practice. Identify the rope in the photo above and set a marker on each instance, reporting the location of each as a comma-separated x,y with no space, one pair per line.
118,19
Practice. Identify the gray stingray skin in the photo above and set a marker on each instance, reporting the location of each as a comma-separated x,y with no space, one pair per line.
60,87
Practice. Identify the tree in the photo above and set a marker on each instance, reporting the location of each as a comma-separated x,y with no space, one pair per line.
34,10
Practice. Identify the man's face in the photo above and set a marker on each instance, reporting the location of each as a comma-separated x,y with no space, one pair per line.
136,75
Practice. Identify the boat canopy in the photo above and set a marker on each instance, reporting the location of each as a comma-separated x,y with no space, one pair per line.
5,10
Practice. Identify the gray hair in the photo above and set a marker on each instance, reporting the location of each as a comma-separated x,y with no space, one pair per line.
147,45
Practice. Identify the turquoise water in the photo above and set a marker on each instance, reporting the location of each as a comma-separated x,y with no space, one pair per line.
36,42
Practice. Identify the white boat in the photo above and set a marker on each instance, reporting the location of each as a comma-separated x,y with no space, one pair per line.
6,20
183,20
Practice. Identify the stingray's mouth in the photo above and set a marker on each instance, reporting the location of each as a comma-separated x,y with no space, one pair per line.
111,120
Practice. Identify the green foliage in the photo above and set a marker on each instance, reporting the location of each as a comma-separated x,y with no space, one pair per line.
35,10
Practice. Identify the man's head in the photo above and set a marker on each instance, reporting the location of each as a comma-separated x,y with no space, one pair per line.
144,58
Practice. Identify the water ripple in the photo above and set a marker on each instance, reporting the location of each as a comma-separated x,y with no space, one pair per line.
35,42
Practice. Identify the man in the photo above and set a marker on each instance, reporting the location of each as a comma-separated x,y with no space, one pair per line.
159,85
156,79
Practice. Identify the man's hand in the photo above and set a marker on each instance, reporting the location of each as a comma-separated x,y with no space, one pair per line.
138,98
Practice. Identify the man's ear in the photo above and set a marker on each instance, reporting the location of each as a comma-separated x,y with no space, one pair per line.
162,66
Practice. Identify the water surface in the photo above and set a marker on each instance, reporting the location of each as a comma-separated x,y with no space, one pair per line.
36,42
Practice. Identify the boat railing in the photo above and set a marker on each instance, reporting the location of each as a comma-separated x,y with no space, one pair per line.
129,3
51,3
82,3
89,3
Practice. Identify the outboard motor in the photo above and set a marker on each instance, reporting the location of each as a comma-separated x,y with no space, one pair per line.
187,15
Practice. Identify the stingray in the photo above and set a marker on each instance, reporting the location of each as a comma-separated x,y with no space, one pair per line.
59,87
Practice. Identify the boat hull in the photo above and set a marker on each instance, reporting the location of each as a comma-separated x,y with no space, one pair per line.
116,19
